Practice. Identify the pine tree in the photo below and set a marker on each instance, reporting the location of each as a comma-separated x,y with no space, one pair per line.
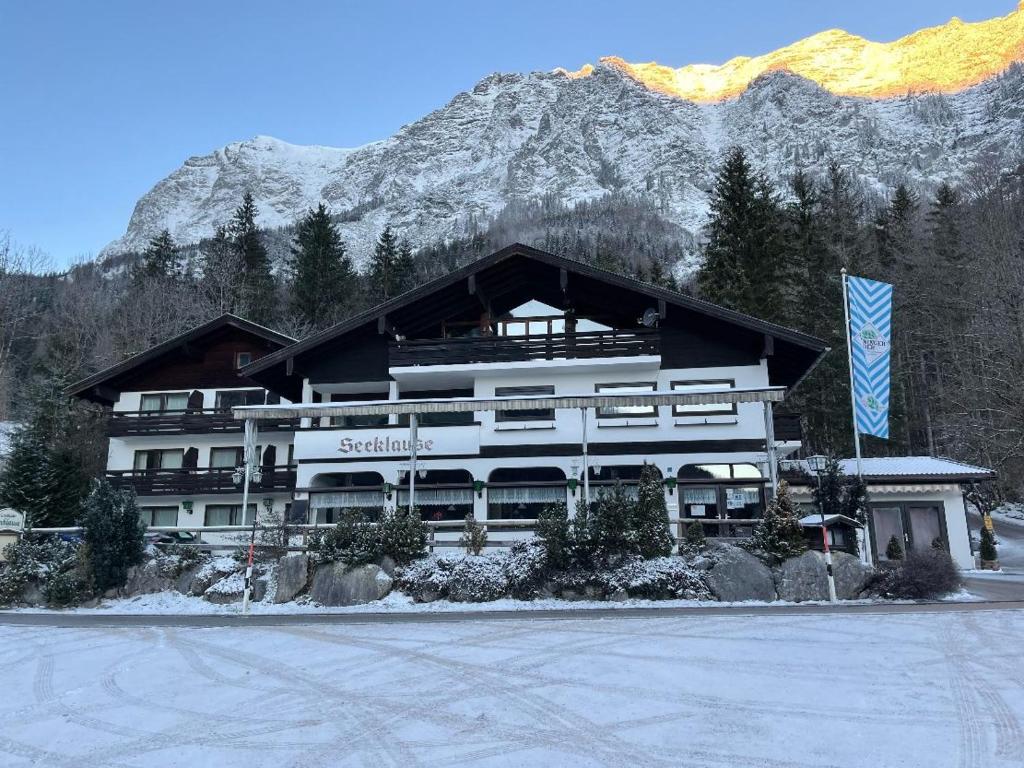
744,255
391,267
322,273
474,536
257,283
555,531
779,535
894,550
650,525
47,473
160,259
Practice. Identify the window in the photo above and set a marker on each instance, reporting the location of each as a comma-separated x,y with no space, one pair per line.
705,409
522,494
167,458
718,492
625,411
157,516
226,457
228,514
359,421
158,402
242,359
230,398
530,414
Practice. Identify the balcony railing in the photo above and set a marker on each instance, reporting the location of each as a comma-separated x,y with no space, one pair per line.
156,482
506,349
193,421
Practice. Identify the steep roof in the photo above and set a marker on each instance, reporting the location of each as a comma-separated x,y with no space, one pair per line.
100,386
517,273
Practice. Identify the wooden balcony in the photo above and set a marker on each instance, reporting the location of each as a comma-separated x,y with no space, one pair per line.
508,349
787,427
184,482
193,421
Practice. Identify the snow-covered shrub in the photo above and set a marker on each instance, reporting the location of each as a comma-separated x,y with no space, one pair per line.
114,533
658,579
37,560
351,541
611,523
695,539
402,535
426,579
526,564
894,550
919,576
477,579
987,549
61,589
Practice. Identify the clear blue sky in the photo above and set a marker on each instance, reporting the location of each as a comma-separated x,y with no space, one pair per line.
100,100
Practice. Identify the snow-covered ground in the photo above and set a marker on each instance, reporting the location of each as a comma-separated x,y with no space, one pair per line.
939,689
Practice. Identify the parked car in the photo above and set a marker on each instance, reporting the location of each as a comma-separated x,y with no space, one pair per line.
162,538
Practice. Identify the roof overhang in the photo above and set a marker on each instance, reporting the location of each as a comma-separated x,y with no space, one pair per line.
525,402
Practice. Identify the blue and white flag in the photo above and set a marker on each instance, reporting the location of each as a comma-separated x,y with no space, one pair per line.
870,338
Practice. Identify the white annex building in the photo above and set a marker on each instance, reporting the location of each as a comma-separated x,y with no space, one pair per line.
520,380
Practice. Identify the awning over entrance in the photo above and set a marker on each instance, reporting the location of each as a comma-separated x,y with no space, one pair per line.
521,403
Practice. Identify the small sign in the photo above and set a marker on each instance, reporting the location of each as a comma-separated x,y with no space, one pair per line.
11,520
735,499
988,523
698,510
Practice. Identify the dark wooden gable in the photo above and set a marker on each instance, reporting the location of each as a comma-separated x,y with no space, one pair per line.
203,358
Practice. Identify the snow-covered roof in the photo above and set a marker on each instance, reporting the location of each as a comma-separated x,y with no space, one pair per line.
913,466
812,521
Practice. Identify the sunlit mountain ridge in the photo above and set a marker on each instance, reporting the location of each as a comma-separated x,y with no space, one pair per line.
943,59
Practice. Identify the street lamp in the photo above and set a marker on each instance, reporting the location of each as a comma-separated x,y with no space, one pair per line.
818,465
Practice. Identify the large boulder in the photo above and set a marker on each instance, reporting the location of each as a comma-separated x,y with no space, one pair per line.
228,590
804,578
210,573
738,575
338,584
147,578
851,574
292,575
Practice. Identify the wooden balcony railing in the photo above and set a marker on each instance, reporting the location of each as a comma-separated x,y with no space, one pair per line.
194,421
501,349
156,482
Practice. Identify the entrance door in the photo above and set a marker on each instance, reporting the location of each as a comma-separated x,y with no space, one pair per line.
925,526
916,527
887,522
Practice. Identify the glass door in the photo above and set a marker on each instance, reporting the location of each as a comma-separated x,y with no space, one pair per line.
888,522
925,526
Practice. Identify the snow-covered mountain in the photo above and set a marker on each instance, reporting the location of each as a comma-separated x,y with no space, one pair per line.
631,128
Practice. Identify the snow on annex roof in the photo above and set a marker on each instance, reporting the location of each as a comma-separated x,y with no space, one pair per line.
914,466
920,468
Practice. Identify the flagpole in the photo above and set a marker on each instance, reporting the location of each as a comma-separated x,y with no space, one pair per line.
863,539
849,362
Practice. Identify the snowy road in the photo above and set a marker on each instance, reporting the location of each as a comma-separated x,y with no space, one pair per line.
926,689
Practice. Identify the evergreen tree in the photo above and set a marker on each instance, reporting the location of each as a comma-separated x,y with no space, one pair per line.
650,527
322,273
160,259
113,534
695,539
894,550
779,535
47,473
610,523
474,536
392,268
839,493
987,549
257,283
743,258
555,531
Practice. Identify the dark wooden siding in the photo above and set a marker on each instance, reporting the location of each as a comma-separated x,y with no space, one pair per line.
206,364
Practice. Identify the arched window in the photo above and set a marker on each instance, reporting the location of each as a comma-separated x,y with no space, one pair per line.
626,475
345,490
523,493
440,494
